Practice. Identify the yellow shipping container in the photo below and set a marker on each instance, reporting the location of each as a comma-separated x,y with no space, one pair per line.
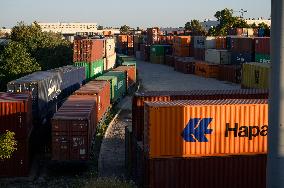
256,75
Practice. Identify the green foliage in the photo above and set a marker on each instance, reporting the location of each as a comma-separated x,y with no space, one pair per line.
195,27
124,29
49,49
8,145
15,62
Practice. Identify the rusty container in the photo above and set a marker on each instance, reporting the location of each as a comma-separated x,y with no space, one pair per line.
248,171
262,45
221,43
16,114
93,49
243,44
20,162
101,90
230,73
205,128
139,100
130,72
73,127
207,70
185,65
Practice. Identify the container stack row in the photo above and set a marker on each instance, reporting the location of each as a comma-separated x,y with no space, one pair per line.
96,55
176,135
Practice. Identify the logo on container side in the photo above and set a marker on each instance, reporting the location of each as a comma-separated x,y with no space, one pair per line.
120,84
197,128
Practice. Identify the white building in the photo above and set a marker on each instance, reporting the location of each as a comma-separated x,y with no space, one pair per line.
68,28
6,31
258,21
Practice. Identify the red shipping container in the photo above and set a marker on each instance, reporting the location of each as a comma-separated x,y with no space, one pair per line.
262,45
101,90
16,114
93,49
248,171
140,98
73,127
231,73
19,164
130,72
243,44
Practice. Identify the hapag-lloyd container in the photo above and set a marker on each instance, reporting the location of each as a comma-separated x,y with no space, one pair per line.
113,86
139,100
16,114
205,128
242,171
130,72
100,89
45,88
96,68
73,127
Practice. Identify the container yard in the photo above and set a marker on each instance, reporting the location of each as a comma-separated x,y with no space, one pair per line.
152,107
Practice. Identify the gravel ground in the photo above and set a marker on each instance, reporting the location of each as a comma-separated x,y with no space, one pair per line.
153,77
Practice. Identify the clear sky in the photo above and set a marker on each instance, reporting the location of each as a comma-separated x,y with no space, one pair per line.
144,13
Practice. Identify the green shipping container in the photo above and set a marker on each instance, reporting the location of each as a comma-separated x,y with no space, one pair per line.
121,83
157,59
129,63
157,50
96,68
262,58
87,68
123,58
113,84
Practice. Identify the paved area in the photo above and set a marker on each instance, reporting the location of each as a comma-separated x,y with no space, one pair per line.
154,78
157,77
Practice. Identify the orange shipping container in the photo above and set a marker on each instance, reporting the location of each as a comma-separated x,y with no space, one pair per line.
221,43
205,128
122,38
206,69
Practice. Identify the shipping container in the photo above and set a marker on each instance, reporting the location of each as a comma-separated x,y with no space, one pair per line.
170,60
262,58
205,128
100,89
242,44
121,87
218,56
110,47
230,73
145,52
16,114
113,86
96,68
86,67
246,171
73,127
181,51
199,54
129,63
93,49
157,59
204,42
19,164
241,57
206,70
185,65
139,100
262,45
44,87
111,60
256,75
130,74
221,43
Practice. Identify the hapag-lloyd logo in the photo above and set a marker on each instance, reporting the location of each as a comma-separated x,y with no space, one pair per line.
97,70
52,88
120,84
197,129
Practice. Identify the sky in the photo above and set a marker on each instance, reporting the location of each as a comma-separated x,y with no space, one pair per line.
142,13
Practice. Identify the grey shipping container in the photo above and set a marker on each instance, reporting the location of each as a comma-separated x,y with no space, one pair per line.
44,87
241,57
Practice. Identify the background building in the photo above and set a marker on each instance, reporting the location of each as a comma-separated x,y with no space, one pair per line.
68,28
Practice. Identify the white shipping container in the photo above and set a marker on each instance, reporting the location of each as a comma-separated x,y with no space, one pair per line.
217,56
110,62
109,47
203,42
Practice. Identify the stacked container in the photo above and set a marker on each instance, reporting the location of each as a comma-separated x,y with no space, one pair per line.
73,127
207,70
221,43
262,49
130,74
231,73
158,53
16,117
145,52
256,75
201,43
242,50
182,45
153,35
189,135
185,65
218,56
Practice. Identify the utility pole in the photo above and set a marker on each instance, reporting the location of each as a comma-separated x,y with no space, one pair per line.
275,175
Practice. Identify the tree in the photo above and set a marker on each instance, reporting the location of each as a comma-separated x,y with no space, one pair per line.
124,29
49,49
195,27
100,27
15,62
8,145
